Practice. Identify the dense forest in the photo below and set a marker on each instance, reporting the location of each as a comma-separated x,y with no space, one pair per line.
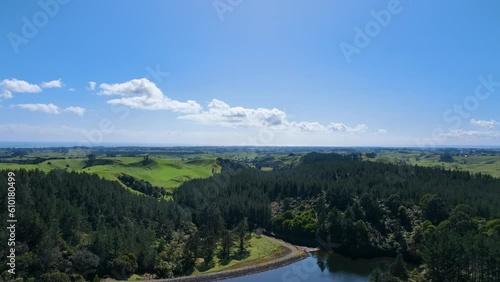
438,218
77,226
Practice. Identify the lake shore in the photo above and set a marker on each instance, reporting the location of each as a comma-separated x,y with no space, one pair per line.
294,254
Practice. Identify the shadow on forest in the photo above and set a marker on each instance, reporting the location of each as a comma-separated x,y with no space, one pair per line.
206,266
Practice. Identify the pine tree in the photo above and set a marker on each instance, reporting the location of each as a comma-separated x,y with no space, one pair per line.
241,229
398,268
226,243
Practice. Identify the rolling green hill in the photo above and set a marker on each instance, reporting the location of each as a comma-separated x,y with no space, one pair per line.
166,173
474,164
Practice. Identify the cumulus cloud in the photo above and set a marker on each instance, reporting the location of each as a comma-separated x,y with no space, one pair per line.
19,86
382,131
13,85
52,84
9,86
76,110
340,127
307,126
5,94
50,109
485,123
144,94
44,108
220,113
92,85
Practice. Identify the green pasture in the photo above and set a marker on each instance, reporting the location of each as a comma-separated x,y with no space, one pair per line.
166,173
483,164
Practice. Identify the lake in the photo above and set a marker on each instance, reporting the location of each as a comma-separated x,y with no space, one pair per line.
319,266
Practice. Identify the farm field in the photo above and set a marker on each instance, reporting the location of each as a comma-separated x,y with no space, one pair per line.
489,164
161,172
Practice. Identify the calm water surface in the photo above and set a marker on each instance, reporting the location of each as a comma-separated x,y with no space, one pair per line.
319,266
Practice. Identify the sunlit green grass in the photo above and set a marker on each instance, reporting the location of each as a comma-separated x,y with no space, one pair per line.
475,164
166,173
260,249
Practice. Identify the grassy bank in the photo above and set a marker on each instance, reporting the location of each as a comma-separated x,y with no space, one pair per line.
260,249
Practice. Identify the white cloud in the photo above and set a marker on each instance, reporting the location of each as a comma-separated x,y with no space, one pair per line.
19,86
13,85
340,127
52,84
44,108
5,94
308,126
50,109
92,85
382,131
220,113
76,110
484,123
71,89
144,94
8,86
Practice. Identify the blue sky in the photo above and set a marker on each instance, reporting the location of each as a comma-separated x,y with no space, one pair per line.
241,72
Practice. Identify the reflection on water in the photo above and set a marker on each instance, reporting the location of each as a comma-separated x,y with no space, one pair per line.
319,266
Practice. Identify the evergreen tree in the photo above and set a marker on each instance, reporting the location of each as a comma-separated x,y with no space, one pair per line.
398,268
226,243
433,208
241,230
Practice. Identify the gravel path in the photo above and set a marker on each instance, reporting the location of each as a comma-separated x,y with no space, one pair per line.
291,257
